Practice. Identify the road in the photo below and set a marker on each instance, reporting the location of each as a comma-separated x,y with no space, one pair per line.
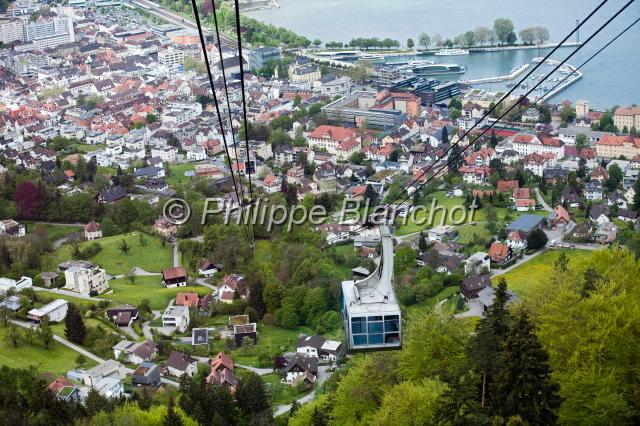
176,255
541,201
69,293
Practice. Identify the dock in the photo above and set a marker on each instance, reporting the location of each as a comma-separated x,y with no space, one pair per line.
499,78
577,75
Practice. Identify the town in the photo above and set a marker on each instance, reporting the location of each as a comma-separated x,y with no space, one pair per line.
107,114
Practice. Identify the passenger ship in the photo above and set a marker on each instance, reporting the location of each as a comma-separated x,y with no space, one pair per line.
451,52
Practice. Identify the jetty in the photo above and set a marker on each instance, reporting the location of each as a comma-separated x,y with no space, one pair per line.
515,73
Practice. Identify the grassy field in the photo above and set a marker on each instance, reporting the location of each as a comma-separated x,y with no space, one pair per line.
55,232
432,301
465,232
271,339
177,177
147,287
49,295
281,393
449,203
151,257
521,279
86,148
58,359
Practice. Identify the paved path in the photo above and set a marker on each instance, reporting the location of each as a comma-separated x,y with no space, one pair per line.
541,201
176,255
83,351
57,243
323,374
203,282
130,331
258,371
63,341
146,327
69,293
139,272
525,259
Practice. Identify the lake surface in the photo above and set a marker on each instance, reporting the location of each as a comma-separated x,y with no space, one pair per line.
612,78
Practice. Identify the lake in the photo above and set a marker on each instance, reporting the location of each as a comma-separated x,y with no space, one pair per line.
612,78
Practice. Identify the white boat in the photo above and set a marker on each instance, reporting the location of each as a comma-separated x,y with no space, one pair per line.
451,52
370,56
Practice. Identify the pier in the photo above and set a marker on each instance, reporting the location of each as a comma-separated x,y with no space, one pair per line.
499,78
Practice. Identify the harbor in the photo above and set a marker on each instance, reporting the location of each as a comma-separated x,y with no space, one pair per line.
514,73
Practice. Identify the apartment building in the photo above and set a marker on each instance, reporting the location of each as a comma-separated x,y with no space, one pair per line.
627,117
48,32
171,58
11,30
334,139
84,277
611,146
525,144
259,56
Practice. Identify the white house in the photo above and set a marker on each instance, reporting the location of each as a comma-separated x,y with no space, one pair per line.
17,285
110,387
176,316
108,369
180,364
517,240
92,231
56,311
477,263
167,154
320,348
11,228
442,233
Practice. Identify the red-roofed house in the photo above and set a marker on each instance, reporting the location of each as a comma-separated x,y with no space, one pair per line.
475,174
525,144
559,217
500,253
517,239
187,299
507,185
233,285
92,231
174,277
611,146
336,140
272,184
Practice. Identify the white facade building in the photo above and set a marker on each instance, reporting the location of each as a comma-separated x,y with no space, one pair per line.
18,285
176,316
55,311
85,278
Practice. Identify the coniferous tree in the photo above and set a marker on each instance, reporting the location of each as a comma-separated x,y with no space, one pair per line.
251,395
524,386
95,402
172,418
636,195
422,243
485,347
371,195
74,325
